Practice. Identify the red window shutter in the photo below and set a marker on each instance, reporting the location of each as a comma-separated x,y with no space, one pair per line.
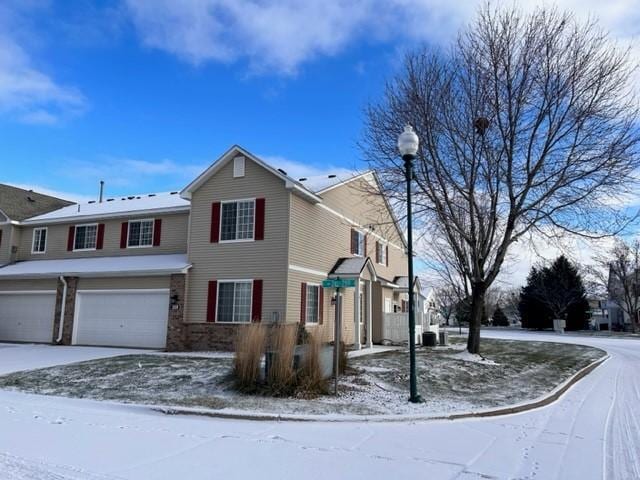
303,303
100,238
71,238
377,252
256,301
320,305
0,238
353,241
215,222
259,220
387,254
212,297
157,231
124,234
364,254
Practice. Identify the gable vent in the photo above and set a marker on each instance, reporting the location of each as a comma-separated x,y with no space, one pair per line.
238,167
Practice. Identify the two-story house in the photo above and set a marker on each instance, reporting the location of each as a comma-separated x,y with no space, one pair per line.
244,242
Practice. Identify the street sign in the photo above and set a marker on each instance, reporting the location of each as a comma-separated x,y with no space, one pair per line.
339,283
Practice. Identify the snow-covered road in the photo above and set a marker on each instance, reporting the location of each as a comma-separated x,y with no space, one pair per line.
593,432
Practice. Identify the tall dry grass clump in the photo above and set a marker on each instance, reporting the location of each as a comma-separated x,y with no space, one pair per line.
282,376
310,379
250,344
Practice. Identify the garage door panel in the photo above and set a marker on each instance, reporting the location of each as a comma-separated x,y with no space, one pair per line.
27,317
128,319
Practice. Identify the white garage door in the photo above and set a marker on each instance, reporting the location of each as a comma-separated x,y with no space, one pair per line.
122,318
27,316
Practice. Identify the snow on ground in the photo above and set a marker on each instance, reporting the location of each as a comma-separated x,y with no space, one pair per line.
591,430
449,379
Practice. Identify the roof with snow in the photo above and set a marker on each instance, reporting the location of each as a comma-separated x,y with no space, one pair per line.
18,203
98,267
352,267
321,183
117,206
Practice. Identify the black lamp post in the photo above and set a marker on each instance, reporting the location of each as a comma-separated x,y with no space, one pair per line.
408,145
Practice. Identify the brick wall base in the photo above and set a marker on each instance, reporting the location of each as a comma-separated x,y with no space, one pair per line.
69,310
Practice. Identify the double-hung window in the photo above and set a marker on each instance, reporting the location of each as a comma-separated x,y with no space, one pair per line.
140,233
39,243
85,237
357,242
237,220
312,304
381,253
234,301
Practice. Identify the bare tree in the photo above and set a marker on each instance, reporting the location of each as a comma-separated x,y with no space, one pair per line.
527,124
623,278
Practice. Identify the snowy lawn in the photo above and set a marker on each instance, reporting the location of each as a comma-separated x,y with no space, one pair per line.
450,380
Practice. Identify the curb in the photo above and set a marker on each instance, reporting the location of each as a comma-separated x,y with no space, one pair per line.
554,395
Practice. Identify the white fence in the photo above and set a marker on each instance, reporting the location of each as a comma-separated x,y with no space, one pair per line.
395,328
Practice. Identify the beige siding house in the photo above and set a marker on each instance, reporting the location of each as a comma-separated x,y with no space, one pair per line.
244,242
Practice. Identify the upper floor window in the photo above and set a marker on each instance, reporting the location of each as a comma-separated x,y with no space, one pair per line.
381,253
39,243
237,220
312,304
85,237
140,233
357,243
234,302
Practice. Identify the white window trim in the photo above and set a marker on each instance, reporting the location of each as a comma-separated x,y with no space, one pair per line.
75,232
306,303
152,220
383,251
46,239
243,280
361,254
240,240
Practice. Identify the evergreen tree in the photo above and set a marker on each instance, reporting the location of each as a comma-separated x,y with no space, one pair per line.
533,312
554,292
499,318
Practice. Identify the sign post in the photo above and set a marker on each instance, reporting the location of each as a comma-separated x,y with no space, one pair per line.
337,283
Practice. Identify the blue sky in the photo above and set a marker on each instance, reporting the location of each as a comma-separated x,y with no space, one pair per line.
146,93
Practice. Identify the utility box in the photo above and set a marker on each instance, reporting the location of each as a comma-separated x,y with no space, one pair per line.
559,325
444,338
429,339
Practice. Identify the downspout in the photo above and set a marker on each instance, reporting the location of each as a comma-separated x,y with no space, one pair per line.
62,308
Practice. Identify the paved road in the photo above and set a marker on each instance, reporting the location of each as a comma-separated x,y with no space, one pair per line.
593,432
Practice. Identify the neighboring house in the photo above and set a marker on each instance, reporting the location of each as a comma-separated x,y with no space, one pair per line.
618,318
244,242
17,204
599,315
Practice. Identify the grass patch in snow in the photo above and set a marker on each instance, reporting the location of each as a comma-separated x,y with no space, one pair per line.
450,380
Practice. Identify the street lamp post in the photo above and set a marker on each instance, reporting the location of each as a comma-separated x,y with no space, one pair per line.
408,146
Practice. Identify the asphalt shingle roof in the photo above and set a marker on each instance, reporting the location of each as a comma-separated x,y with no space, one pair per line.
19,204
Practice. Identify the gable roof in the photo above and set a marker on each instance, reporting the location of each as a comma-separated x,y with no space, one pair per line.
17,203
290,183
352,267
153,203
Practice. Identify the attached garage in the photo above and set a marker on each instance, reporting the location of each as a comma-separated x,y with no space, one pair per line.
27,316
123,318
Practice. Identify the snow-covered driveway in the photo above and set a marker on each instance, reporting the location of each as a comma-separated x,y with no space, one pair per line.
15,356
593,429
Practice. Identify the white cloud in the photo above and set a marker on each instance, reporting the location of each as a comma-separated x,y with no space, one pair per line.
27,93
131,175
282,35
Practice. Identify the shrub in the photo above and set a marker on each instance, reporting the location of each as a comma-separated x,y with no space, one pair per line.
310,379
281,376
249,348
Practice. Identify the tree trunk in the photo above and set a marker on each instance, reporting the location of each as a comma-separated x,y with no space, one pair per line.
477,307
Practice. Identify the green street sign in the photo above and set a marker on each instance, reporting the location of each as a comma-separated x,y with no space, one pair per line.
339,283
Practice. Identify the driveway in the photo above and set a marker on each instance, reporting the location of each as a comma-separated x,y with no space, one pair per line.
592,432
15,357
